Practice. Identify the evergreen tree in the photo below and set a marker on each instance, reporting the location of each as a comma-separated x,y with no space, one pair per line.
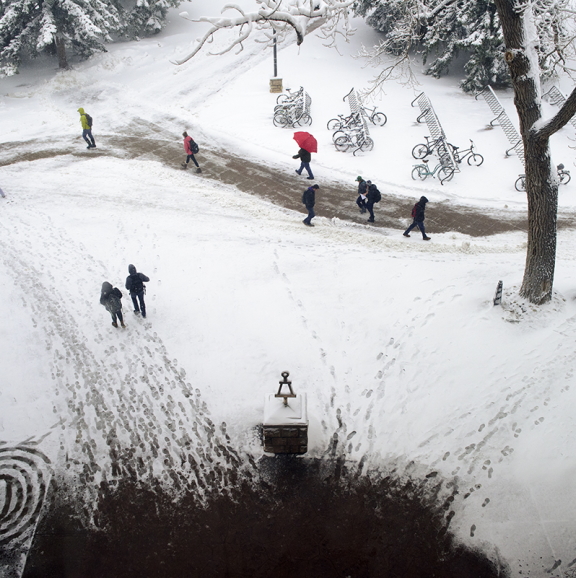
29,27
147,17
440,30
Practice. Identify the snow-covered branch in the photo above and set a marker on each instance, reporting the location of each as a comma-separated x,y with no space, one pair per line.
280,15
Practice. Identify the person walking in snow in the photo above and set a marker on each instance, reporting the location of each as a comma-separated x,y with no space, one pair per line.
418,218
111,299
86,122
135,284
191,149
305,158
372,196
309,200
362,189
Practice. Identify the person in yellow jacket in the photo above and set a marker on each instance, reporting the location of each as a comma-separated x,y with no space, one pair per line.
86,122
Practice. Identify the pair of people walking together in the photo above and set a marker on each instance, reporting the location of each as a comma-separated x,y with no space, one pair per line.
111,297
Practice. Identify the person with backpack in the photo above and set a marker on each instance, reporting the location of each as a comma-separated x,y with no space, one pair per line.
372,196
135,284
305,158
111,297
191,148
418,218
361,200
309,200
86,122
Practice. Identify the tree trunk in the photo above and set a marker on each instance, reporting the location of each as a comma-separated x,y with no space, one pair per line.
541,185
61,51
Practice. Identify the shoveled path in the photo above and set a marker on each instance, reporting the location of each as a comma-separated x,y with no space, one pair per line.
279,185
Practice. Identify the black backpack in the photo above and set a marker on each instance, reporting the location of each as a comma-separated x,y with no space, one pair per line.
194,147
137,285
375,193
88,119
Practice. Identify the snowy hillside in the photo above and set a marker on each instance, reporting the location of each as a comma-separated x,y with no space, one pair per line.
407,365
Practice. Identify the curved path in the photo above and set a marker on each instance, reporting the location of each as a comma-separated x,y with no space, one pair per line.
277,185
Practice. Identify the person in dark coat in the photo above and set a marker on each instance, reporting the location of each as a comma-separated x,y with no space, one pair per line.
361,200
418,216
188,140
309,200
305,158
371,198
111,299
135,284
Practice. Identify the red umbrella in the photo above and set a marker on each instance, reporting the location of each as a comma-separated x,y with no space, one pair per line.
306,141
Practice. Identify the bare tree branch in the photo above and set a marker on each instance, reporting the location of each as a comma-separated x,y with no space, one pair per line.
281,15
560,119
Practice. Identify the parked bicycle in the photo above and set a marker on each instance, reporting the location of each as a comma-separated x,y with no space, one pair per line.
563,175
357,140
423,172
375,117
336,124
474,158
421,151
289,96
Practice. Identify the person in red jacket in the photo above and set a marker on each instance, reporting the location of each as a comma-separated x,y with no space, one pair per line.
188,140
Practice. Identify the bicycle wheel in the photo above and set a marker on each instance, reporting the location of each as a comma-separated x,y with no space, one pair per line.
520,183
379,119
338,134
334,124
342,143
304,120
280,120
564,177
420,151
367,144
419,172
282,99
475,159
445,174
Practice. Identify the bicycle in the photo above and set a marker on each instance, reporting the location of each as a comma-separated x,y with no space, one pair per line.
421,151
474,158
563,175
290,97
292,118
375,117
359,140
336,124
423,172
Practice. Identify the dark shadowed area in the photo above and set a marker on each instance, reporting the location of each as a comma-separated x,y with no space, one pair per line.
302,518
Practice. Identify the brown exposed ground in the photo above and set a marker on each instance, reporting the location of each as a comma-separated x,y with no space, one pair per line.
280,186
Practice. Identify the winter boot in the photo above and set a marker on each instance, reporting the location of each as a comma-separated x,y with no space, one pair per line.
426,238
123,326
406,234
114,324
184,166
198,170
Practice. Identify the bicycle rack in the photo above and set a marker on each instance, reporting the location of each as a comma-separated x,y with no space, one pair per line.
504,121
295,109
429,116
356,132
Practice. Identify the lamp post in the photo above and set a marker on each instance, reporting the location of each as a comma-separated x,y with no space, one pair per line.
275,83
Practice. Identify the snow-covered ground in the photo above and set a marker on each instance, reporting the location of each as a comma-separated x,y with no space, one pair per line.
396,342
